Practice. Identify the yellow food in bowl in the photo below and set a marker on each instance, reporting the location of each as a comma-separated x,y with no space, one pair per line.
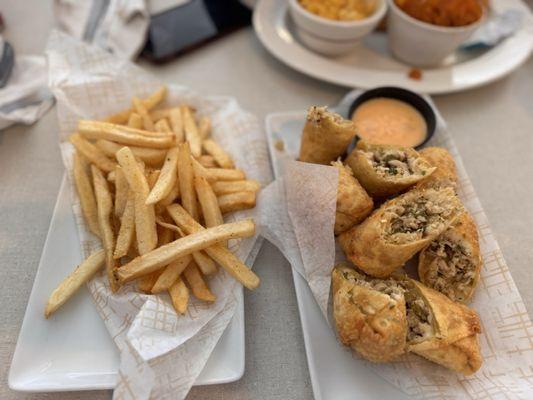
340,10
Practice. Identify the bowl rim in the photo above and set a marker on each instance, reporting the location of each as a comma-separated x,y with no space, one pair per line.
436,28
408,96
374,18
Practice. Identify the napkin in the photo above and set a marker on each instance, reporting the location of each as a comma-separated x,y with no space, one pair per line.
119,26
161,353
303,201
26,97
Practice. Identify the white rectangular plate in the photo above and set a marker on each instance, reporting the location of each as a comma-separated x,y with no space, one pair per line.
73,350
335,374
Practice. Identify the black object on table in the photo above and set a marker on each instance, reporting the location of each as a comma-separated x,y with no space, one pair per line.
190,25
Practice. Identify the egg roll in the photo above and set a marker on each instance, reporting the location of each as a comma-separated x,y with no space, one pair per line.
451,264
369,314
445,174
441,330
384,170
353,203
399,229
382,319
325,137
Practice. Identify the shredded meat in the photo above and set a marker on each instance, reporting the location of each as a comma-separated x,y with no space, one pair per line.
451,271
389,162
419,317
389,287
317,114
417,219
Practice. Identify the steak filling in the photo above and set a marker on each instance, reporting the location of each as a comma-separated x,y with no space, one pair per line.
394,162
451,271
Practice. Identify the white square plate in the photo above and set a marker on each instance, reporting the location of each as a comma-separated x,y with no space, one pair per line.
73,350
335,374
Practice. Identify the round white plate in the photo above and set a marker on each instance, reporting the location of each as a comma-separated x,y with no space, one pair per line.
371,65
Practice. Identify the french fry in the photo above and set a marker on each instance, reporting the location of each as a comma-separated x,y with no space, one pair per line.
92,153
198,285
165,235
219,253
105,209
119,118
204,262
208,202
127,228
170,227
186,180
111,176
159,114
171,196
138,105
135,121
179,294
123,134
204,127
158,258
121,191
147,282
152,175
170,273
150,102
155,98
70,285
223,174
167,177
236,201
226,187
207,161
176,123
221,157
86,193
152,157
163,126
145,226
191,131
200,170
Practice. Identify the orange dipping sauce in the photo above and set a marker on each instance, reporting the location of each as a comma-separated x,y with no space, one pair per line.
389,121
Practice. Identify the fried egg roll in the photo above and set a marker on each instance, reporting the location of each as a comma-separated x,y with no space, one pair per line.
353,203
451,264
384,170
399,229
325,137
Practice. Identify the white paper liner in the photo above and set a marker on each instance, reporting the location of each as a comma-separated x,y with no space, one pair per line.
305,238
161,353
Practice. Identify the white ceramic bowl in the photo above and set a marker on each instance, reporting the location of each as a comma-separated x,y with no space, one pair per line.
331,37
422,44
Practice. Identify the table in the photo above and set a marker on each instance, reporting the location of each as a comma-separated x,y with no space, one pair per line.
492,127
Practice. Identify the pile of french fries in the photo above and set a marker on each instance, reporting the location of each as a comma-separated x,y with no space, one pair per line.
154,187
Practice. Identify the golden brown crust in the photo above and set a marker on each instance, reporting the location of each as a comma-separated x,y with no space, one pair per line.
369,247
463,233
379,185
445,175
325,136
377,325
353,203
369,321
463,356
452,321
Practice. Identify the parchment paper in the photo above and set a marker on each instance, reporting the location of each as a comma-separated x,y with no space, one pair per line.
304,194
161,353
